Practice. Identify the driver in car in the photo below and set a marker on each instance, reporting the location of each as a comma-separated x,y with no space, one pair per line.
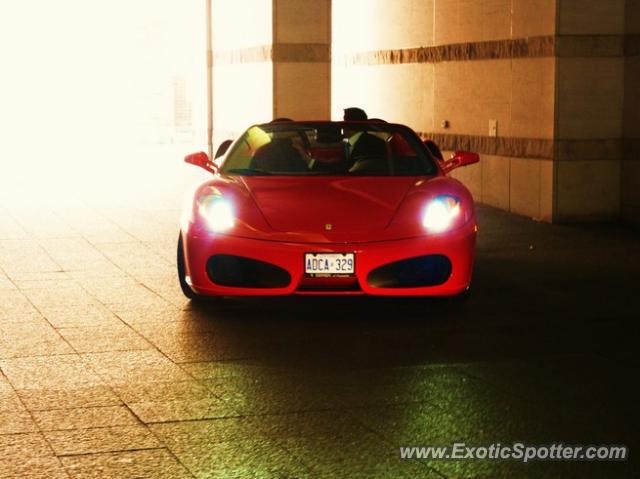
361,145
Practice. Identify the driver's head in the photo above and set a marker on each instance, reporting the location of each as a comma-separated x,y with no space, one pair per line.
354,114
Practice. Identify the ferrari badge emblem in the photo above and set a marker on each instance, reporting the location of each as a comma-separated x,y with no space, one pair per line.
328,226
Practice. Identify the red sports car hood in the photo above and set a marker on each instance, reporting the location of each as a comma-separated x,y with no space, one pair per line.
328,205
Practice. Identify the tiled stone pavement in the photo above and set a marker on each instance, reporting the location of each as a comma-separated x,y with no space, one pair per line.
107,371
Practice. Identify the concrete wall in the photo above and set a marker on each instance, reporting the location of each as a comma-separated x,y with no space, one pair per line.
424,62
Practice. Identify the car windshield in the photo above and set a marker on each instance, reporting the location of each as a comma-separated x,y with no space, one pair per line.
330,148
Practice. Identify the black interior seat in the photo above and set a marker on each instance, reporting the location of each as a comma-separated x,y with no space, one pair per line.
279,156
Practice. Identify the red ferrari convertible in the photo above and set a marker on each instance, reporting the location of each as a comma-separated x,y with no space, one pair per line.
338,208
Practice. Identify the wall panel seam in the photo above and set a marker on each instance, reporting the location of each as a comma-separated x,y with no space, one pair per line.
612,149
595,46
277,52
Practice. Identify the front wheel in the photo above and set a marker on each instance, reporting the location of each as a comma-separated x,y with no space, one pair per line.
186,289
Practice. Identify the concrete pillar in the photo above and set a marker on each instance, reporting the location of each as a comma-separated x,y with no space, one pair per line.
630,198
302,59
589,109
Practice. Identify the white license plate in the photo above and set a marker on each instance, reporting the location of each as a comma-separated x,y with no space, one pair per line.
329,264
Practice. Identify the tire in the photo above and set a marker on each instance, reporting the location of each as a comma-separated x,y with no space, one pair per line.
186,289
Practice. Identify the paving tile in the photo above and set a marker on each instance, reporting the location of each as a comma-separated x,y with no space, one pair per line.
94,314
332,444
226,369
122,291
53,372
114,337
23,446
251,398
260,392
164,285
101,439
243,458
185,390
37,276
135,366
190,347
228,448
210,369
165,248
10,228
91,280
164,411
29,315
361,456
150,464
142,300
68,398
194,339
44,225
184,322
33,468
176,435
73,253
411,424
169,401
156,313
6,390
84,418
9,401
6,284
133,257
102,283
14,418
28,456
16,422
56,382
18,257
59,297
93,227
31,338
105,234
48,282
14,302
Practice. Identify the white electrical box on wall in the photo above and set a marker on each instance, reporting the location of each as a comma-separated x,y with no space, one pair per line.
493,128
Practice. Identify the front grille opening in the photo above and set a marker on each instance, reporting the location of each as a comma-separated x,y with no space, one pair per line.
418,272
240,272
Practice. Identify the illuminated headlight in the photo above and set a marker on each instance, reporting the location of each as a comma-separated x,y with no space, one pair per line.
217,213
440,213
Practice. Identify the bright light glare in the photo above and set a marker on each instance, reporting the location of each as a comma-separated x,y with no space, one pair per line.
440,213
99,100
217,212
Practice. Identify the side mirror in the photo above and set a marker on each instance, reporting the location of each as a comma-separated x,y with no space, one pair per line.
460,158
202,160
222,149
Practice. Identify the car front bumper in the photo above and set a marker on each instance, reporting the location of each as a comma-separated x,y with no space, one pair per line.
457,246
